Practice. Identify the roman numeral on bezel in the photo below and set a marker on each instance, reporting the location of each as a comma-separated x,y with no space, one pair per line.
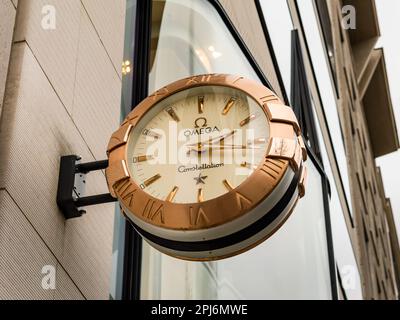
126,191
272,168
153,210
198,216
242,201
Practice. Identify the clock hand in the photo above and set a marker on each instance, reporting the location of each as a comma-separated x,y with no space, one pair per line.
218,139
233,146
223,147
198,147
213,144
222,137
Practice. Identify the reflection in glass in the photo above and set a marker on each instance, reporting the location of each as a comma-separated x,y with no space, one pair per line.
189,38
344,254
280,26
328,96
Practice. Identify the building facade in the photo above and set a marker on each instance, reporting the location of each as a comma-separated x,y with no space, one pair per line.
361,81
61,63
60,93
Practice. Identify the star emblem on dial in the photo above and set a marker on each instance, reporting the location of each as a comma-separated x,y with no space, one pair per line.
200,179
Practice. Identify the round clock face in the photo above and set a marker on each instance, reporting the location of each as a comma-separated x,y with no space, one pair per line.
208,166
198,144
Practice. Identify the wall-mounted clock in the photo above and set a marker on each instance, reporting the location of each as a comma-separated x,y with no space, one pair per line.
208,166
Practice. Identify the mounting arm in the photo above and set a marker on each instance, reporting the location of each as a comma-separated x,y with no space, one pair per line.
71,183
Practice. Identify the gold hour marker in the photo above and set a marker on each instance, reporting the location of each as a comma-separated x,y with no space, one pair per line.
229,106
258,141
228,185
247,120
151,181
142,158
152,134
221,139
200,195
248,165
201,104
172,194
173,114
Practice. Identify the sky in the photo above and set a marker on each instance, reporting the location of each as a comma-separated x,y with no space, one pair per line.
389,20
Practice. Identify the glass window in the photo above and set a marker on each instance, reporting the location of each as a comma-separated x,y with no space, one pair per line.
286,45
116,281
318,58
189,37
292,264
344,254
280,26
326,26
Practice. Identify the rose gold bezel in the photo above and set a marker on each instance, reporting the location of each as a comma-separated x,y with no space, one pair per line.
284,150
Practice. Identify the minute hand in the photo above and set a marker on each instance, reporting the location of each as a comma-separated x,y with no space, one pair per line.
222,138
229,146
213,141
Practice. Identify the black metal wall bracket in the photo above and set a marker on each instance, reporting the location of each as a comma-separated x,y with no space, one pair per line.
71,186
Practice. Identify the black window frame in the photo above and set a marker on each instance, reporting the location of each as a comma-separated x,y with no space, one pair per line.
323,13
351,219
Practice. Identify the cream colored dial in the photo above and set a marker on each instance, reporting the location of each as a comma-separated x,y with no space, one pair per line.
198,144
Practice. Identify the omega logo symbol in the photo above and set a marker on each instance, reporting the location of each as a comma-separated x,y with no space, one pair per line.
200,127
199,120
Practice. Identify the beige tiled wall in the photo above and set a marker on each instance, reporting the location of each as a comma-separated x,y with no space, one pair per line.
24,256
97,90
62,97
7,20
373,251
108,21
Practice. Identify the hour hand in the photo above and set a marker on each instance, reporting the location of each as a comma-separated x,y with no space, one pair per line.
232,146
199,147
